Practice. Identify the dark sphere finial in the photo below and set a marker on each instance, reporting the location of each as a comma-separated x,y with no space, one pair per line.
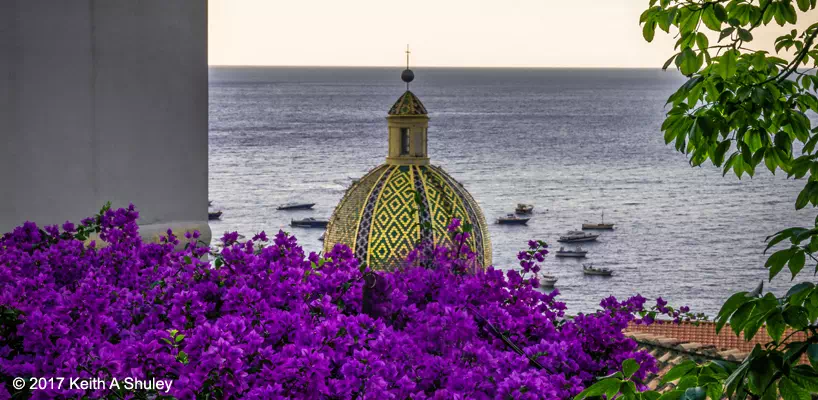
407,75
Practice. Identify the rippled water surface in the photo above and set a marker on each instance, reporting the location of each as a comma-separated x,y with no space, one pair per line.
573,142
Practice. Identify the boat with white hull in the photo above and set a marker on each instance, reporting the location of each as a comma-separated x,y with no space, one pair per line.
575,253
589,269
577,236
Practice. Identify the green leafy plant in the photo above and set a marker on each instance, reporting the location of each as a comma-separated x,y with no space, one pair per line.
742,107
695,382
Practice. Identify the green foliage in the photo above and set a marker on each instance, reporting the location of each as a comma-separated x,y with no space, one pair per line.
693,382
743,109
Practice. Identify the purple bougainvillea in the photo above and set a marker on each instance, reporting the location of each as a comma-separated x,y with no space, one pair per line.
262,319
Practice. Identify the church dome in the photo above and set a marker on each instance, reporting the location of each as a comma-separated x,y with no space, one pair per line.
380,220
405,201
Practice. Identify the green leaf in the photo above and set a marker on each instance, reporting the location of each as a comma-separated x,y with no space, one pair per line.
776,326
649,30
729,307
791,391
670,60
735,163
777,261
714,390
800,288
727,64
695,393
799,293
678,371
812,354
737,377
721,14
796,263
629,367
690,21
651,395
718,155
710,19
770,12
725,33
599,388
771,159
741,317
745,35
796,317
805,377
753,140
627,388
687,381
803,197
672,395
701,41
787,12
690,62
803,5
755,320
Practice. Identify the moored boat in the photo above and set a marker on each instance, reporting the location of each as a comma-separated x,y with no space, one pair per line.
601,225
577,236
309,223
524,208
512,219
589,269
575,253
548,280
323,235
295,206
214,215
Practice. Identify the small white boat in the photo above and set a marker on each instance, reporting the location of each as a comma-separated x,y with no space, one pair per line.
309,223
512,219
601,225
524,208
577,236
548,281
589,269
323,235
576,253
295,206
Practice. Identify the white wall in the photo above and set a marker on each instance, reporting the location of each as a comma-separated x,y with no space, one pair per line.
103,100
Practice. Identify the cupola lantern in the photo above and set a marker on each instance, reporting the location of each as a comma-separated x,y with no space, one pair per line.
408,123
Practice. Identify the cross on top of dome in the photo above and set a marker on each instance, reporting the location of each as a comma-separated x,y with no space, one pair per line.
408,104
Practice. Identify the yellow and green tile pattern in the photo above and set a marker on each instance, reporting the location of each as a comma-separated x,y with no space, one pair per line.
380,219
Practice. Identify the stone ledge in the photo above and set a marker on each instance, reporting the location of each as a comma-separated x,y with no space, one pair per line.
151,233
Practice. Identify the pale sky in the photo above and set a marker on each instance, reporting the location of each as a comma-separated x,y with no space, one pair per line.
454,33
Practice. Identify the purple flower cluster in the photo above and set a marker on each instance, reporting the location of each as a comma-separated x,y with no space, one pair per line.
265,320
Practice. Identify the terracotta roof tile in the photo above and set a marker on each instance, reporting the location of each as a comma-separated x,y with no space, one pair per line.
672,344
705,333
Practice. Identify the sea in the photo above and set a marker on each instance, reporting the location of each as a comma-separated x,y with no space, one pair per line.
576,143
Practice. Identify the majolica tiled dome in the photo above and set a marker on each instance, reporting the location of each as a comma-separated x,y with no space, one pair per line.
384,215
378,217
408,104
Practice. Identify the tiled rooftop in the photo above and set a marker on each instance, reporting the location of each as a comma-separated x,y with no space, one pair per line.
705,333
671,344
